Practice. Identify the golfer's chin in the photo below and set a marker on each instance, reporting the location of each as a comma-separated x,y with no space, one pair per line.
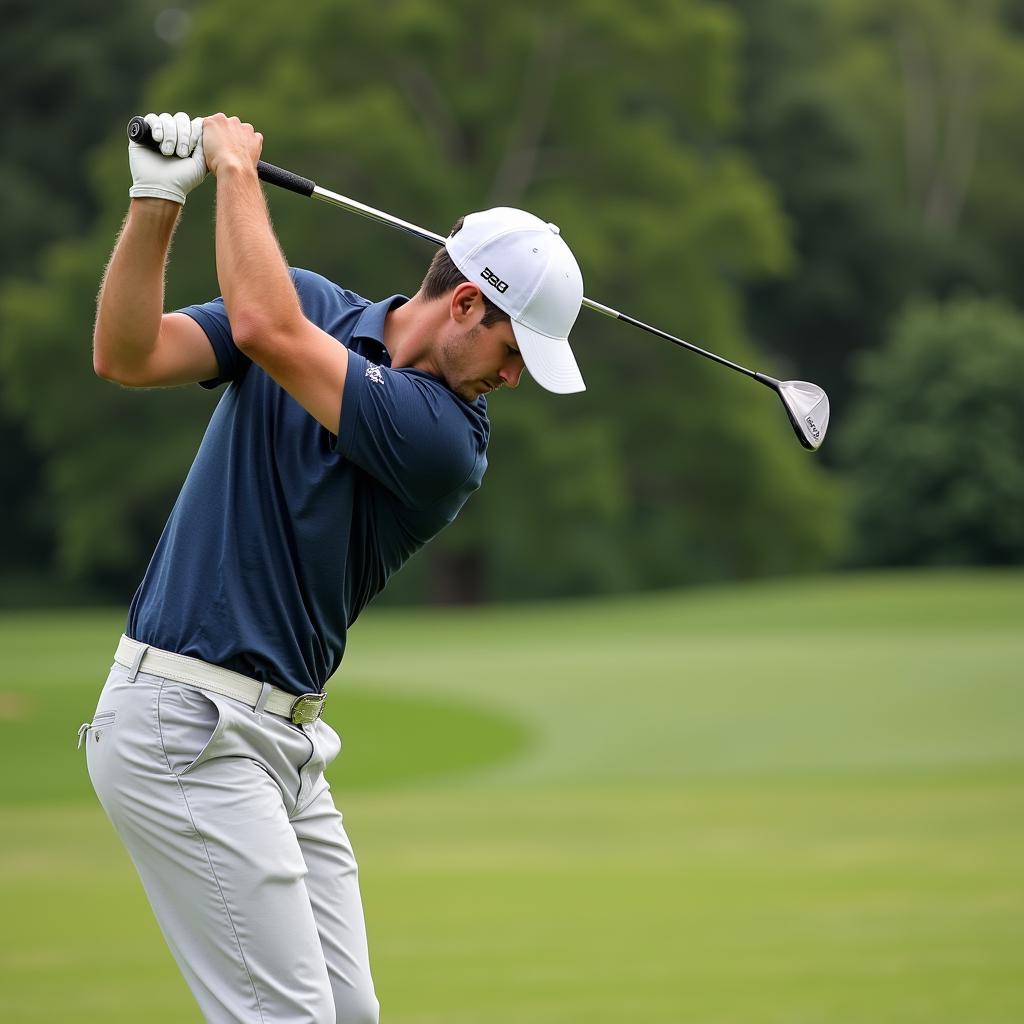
470,391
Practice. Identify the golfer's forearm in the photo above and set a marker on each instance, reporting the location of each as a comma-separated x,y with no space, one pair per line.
131,300
259,296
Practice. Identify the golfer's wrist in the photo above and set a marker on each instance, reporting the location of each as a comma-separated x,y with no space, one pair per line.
238,169
155,211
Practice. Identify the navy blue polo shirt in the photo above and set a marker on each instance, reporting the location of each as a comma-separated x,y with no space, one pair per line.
283,532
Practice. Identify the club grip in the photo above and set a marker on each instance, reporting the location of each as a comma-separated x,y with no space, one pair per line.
140,132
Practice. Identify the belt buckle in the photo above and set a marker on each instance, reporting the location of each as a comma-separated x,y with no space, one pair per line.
308,708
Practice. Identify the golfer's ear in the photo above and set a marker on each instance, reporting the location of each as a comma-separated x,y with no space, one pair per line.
467,305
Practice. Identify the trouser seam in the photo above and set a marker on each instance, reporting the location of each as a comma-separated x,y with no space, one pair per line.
209,860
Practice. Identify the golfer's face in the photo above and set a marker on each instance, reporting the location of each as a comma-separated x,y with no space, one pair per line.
482,359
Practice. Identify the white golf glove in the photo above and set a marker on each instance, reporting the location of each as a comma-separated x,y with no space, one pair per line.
178,167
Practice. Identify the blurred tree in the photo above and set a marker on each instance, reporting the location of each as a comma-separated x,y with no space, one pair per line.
936,85
611,122
889,128
115,457
934,439
854,242
70,72
25,526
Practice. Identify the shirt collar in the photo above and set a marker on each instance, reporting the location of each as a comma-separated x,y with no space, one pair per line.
370,324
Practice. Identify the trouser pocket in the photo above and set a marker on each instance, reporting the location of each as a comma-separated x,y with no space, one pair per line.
192,724
94,730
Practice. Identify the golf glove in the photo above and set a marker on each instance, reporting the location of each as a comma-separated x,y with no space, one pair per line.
178,167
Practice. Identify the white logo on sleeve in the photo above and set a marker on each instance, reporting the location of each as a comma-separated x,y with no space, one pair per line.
373,372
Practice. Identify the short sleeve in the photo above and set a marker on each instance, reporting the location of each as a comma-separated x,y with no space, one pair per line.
213,318
410,433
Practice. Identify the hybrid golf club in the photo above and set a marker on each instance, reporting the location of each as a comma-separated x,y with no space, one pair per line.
806,404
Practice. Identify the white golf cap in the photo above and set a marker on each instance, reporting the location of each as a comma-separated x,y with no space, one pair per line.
525,268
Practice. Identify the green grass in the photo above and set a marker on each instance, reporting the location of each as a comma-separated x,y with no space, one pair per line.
782,803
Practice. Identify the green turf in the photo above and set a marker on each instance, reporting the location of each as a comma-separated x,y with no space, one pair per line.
781,803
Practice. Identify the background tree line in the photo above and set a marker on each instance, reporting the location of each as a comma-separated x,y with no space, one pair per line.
776,180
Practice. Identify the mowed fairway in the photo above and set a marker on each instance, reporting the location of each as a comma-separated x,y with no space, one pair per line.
781,803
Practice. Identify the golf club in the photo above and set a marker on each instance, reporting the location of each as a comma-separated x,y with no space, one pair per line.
806,404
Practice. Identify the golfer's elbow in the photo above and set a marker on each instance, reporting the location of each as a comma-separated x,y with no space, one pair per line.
247,334
255,336
117,375
103,363
109,366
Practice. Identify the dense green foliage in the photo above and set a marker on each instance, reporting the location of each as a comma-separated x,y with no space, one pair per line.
774,179
74,68
666,470
889,130
69,72
697,829
934,443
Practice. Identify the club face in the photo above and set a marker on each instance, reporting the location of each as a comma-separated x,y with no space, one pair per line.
807,407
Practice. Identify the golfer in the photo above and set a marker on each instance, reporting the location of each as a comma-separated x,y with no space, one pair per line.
349,433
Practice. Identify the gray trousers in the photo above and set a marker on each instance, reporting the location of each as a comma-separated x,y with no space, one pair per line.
231,825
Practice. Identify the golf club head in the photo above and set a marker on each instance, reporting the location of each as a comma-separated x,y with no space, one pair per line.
807,407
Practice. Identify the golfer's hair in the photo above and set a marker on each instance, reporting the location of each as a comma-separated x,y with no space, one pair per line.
443,276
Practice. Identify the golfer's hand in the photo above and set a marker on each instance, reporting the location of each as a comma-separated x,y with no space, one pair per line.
177,168
230,143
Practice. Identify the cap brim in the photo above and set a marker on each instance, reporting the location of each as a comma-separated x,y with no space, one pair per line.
549,360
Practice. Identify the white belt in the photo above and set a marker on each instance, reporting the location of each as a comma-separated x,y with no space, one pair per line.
193,672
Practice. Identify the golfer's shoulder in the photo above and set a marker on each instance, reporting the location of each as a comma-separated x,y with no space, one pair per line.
450,437
455,432
445,404
318,292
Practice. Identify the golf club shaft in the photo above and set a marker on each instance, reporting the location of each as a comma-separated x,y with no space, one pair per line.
370,212
139,131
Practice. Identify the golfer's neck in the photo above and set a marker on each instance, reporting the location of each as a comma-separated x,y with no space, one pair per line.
411,335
